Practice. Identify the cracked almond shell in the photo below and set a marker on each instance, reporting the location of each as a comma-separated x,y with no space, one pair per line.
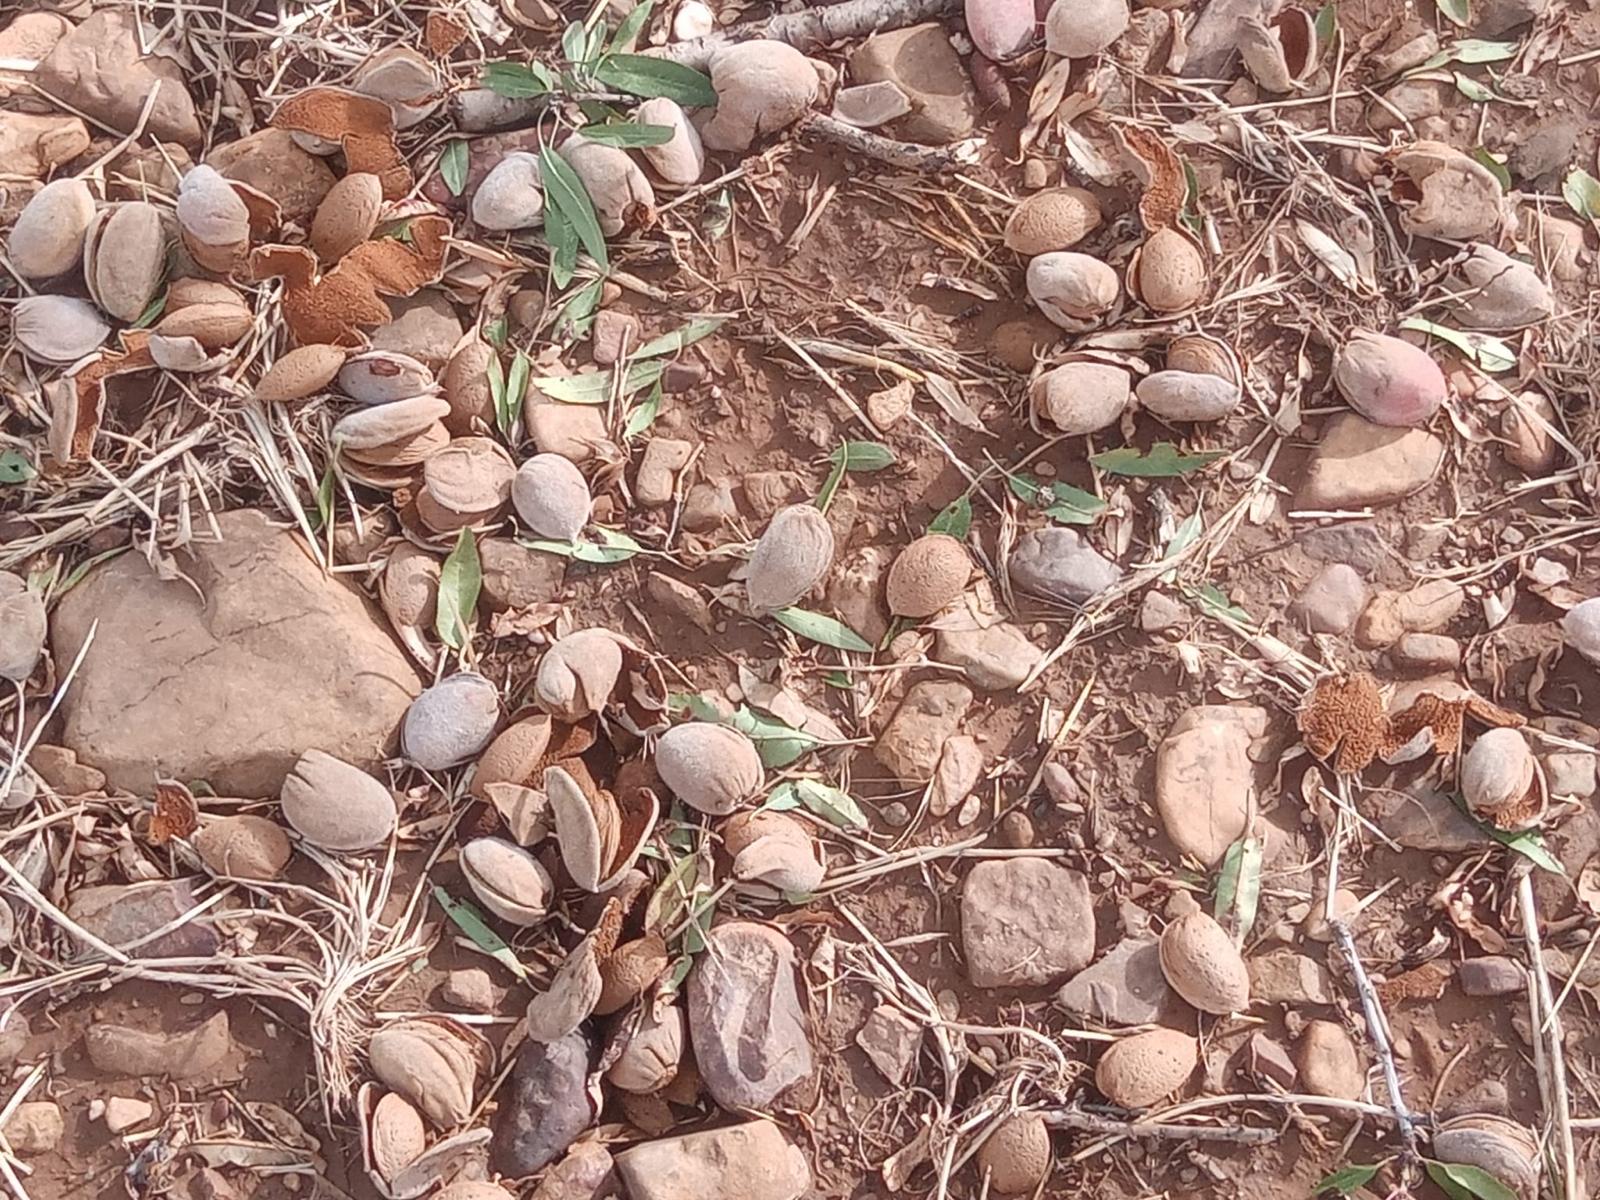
433,1063
125,258
791,557
927,575
392,1133
384,376
651,1057
1137,1071
1070,288
465,483
711,768
599,834
510,882
57,329
578,673
1203,966
629,970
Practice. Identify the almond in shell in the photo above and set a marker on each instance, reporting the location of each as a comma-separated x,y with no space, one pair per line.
432,1062
1168,273
384,376
393,1135
299,374
335,806
125,258
711,768
214,219
450,722
1203,965
791,557
57,329
600,834
1504,1148
347,216
1081,396
1503,782
1138,1071
578,674
552,497
629,971
466,483
928,574
48,235
1055,219
649,1059
773,853
243,847
510,882
1072,288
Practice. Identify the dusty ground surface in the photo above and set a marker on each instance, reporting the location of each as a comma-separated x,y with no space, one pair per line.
848,257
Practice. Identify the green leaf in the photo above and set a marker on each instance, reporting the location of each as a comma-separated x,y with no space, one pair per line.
643,414
325,495
1581,191
1327,23
152,312
677,339
1458,11
1061,502
470,921
1472,89
565,192
562,239
628,134
1214,602
503,416
575,44
517,81
954,518
516,388
830,803
612,546
1490,353
595,387
15,467
1164,461
577,312
1239,885
821,629
1461,1182
1476,50
460,579
839,679
632,25
496,332
640,75
1530,844
1346,1180
453,166
1494,166
862,456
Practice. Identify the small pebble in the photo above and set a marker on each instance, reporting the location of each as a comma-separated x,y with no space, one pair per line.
1016,830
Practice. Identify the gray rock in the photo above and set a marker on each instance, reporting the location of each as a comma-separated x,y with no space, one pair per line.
740,1162
548,1106
1333,599
615,333
470,988
1491,975
1266,1059
1057,563
1426,652
1495,17
588,1172
425,326
124,914
1546,149
278,658
516,577
1214,38
745,1017
1286,977
1355,542
929,716
925,66
1025,922
1423,819
1359,463
994,659
1125,987
891,1040
1160,612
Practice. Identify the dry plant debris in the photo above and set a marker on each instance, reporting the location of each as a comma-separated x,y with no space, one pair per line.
592,596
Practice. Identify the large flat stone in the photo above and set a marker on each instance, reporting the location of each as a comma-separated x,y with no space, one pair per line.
230,684
1358,463
1025,921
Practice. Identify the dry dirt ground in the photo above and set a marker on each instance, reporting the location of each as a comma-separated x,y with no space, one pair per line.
834,249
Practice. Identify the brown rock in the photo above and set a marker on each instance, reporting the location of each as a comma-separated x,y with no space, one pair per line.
1330,1064
752,1161
923,63
657,479
120,1051
515,576
126,915
270,161
61,771
914,739
100,70
573,431
1358,463
615,333
277,659
768,491
425,326
1025,922
678,600
745,1016
36,1127
32,146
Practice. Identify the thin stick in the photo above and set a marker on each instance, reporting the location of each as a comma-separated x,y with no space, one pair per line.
812,28
1558,1107
1066,1118
908,155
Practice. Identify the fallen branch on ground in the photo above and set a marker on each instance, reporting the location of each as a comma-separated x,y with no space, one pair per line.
812,28
909,155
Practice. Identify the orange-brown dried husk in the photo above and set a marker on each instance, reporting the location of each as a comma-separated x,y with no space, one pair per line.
398,269
79,402
1166,187
330,310
362,125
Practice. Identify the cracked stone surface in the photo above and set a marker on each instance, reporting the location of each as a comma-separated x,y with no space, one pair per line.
276,659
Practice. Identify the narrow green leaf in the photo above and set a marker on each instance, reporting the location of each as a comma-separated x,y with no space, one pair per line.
1164,461
1327,23
575,44
1346,1180
1530,844
1581,191
1457,11
778,742
562,239
628,134
821,629
830,486
565,192
632,25
862,456
470,921
75,576
643,414
325,493
1073,506
1461,1182
839,679
15,467
517,380
577,312
640,75
1476,50
661,911
1239,886
1490,353
595,387
152,312
453,166
954,518
611,546
678,339
832,804
496,332
1214,602
1472,89
503,416
1494,166
517,81
460,579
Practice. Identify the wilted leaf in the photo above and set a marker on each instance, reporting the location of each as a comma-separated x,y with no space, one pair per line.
949,399
576,43
325,496
1461,1182
470,921
628,134
1214,601
640,75
595,387
821,629
1581,191
1164,461
830,803
565,193
954,518
677,339
1458,11
517,81
1494,166
459,581
1476,50
1490,353
15,467
612,546
453,166
1346,1180
862,456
